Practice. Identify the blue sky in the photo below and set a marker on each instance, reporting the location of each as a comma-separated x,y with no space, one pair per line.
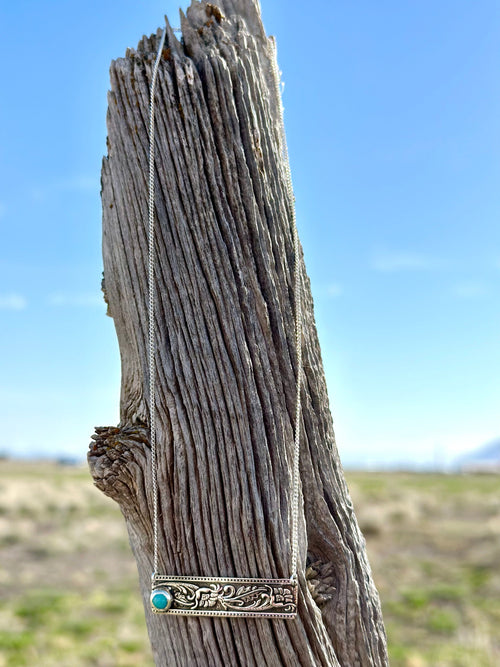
391,112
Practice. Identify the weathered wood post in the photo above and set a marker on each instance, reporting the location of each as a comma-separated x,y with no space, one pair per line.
226,364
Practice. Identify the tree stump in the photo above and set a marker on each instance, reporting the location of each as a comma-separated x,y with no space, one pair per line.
226,356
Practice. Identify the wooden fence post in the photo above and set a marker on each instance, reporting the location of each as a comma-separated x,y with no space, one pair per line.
226,363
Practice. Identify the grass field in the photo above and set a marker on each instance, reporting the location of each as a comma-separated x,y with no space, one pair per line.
69,595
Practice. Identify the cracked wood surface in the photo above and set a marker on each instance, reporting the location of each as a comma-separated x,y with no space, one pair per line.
226,362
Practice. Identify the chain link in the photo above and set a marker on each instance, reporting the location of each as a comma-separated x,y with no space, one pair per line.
151,314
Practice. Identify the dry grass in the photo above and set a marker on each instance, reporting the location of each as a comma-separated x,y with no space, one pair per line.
434,546
68,585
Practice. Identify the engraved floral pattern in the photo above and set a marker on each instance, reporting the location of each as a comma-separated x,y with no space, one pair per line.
226,596
283,596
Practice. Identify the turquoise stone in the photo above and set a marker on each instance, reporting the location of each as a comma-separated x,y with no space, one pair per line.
161,599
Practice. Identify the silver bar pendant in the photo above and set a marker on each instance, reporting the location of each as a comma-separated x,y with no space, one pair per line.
222,596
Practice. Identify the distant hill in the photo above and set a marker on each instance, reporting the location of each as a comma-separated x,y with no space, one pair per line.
483,459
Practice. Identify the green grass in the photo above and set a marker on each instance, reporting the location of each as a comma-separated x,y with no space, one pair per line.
436,563
54,627
68,583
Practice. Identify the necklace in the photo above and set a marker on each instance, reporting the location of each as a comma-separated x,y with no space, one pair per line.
221,596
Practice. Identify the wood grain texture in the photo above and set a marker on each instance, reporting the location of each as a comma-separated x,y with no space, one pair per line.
226,362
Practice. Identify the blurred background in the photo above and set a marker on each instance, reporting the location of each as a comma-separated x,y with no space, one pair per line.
391,113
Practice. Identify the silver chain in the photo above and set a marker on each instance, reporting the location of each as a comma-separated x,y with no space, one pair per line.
151,315
151,301
298,319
